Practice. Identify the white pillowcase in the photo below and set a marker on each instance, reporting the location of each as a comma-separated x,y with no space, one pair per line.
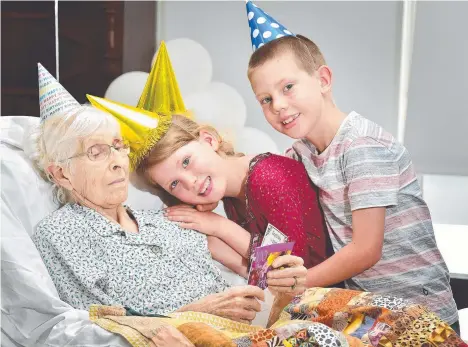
32,312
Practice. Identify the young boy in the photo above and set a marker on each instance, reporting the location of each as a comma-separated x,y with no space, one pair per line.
380,226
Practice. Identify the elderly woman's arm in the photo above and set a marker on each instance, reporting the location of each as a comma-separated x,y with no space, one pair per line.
169,336
241,303
74,269
237,303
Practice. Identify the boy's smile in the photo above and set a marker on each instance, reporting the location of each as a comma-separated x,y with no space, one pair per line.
290,121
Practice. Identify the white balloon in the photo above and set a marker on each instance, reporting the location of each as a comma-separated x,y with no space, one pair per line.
218,105
253,141
127,88
191,63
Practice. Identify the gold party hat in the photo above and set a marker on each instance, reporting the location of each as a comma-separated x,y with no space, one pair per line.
141,128
161,92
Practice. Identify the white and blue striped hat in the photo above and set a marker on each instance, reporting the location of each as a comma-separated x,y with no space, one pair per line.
263,28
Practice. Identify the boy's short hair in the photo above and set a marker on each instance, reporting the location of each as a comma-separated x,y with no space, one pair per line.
307,53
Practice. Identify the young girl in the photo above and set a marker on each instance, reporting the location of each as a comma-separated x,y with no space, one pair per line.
192,164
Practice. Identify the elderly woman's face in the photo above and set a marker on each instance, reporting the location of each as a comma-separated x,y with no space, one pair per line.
99,172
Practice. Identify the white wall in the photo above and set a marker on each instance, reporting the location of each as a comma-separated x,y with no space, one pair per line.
437,124
360,40
447,198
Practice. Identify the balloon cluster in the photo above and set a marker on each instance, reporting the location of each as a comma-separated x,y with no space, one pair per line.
214,103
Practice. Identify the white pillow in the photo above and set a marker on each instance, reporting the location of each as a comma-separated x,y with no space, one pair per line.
32,312
25,192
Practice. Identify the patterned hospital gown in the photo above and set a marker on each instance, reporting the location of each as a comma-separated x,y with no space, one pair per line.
94,261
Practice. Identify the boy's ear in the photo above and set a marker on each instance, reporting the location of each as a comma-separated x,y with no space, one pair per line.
207,137
325,76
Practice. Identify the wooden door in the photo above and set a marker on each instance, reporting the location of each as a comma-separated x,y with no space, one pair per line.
27,38
90,49
91,38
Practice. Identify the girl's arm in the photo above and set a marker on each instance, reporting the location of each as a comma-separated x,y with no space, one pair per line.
226,255
228,242
233,235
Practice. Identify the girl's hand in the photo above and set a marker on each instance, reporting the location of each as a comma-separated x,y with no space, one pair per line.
290,280
188,217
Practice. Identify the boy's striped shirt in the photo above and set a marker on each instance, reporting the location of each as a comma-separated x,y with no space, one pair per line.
364,167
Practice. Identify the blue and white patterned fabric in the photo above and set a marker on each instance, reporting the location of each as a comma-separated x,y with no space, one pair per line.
263,27
94,261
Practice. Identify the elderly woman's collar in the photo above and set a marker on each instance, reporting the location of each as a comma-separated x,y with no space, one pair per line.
104,226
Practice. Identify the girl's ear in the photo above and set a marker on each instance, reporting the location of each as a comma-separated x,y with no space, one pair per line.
209,138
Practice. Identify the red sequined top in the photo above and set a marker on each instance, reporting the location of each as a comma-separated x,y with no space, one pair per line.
279,192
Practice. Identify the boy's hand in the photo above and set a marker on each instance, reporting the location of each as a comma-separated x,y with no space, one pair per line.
207,207
187,217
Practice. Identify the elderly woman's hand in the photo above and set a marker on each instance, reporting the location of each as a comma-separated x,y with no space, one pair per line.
291,279
168,336
237,303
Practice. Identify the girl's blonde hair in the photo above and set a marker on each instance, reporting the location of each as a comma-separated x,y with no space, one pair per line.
182,131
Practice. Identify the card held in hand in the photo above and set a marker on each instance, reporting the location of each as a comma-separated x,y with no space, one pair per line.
263,258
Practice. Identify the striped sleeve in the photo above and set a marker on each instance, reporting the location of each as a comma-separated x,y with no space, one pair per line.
371,172
292,153
298,150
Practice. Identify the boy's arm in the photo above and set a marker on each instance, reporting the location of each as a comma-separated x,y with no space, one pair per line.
372,175
362,253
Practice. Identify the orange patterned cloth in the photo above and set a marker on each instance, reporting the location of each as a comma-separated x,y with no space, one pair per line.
320,317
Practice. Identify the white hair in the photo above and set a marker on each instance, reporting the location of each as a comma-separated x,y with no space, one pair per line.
60,136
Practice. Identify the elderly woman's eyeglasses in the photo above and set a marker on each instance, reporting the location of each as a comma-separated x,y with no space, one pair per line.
101,151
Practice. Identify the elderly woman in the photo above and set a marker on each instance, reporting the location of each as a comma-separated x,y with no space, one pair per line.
101,252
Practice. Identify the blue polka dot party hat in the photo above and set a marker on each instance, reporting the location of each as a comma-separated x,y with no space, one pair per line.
263,27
